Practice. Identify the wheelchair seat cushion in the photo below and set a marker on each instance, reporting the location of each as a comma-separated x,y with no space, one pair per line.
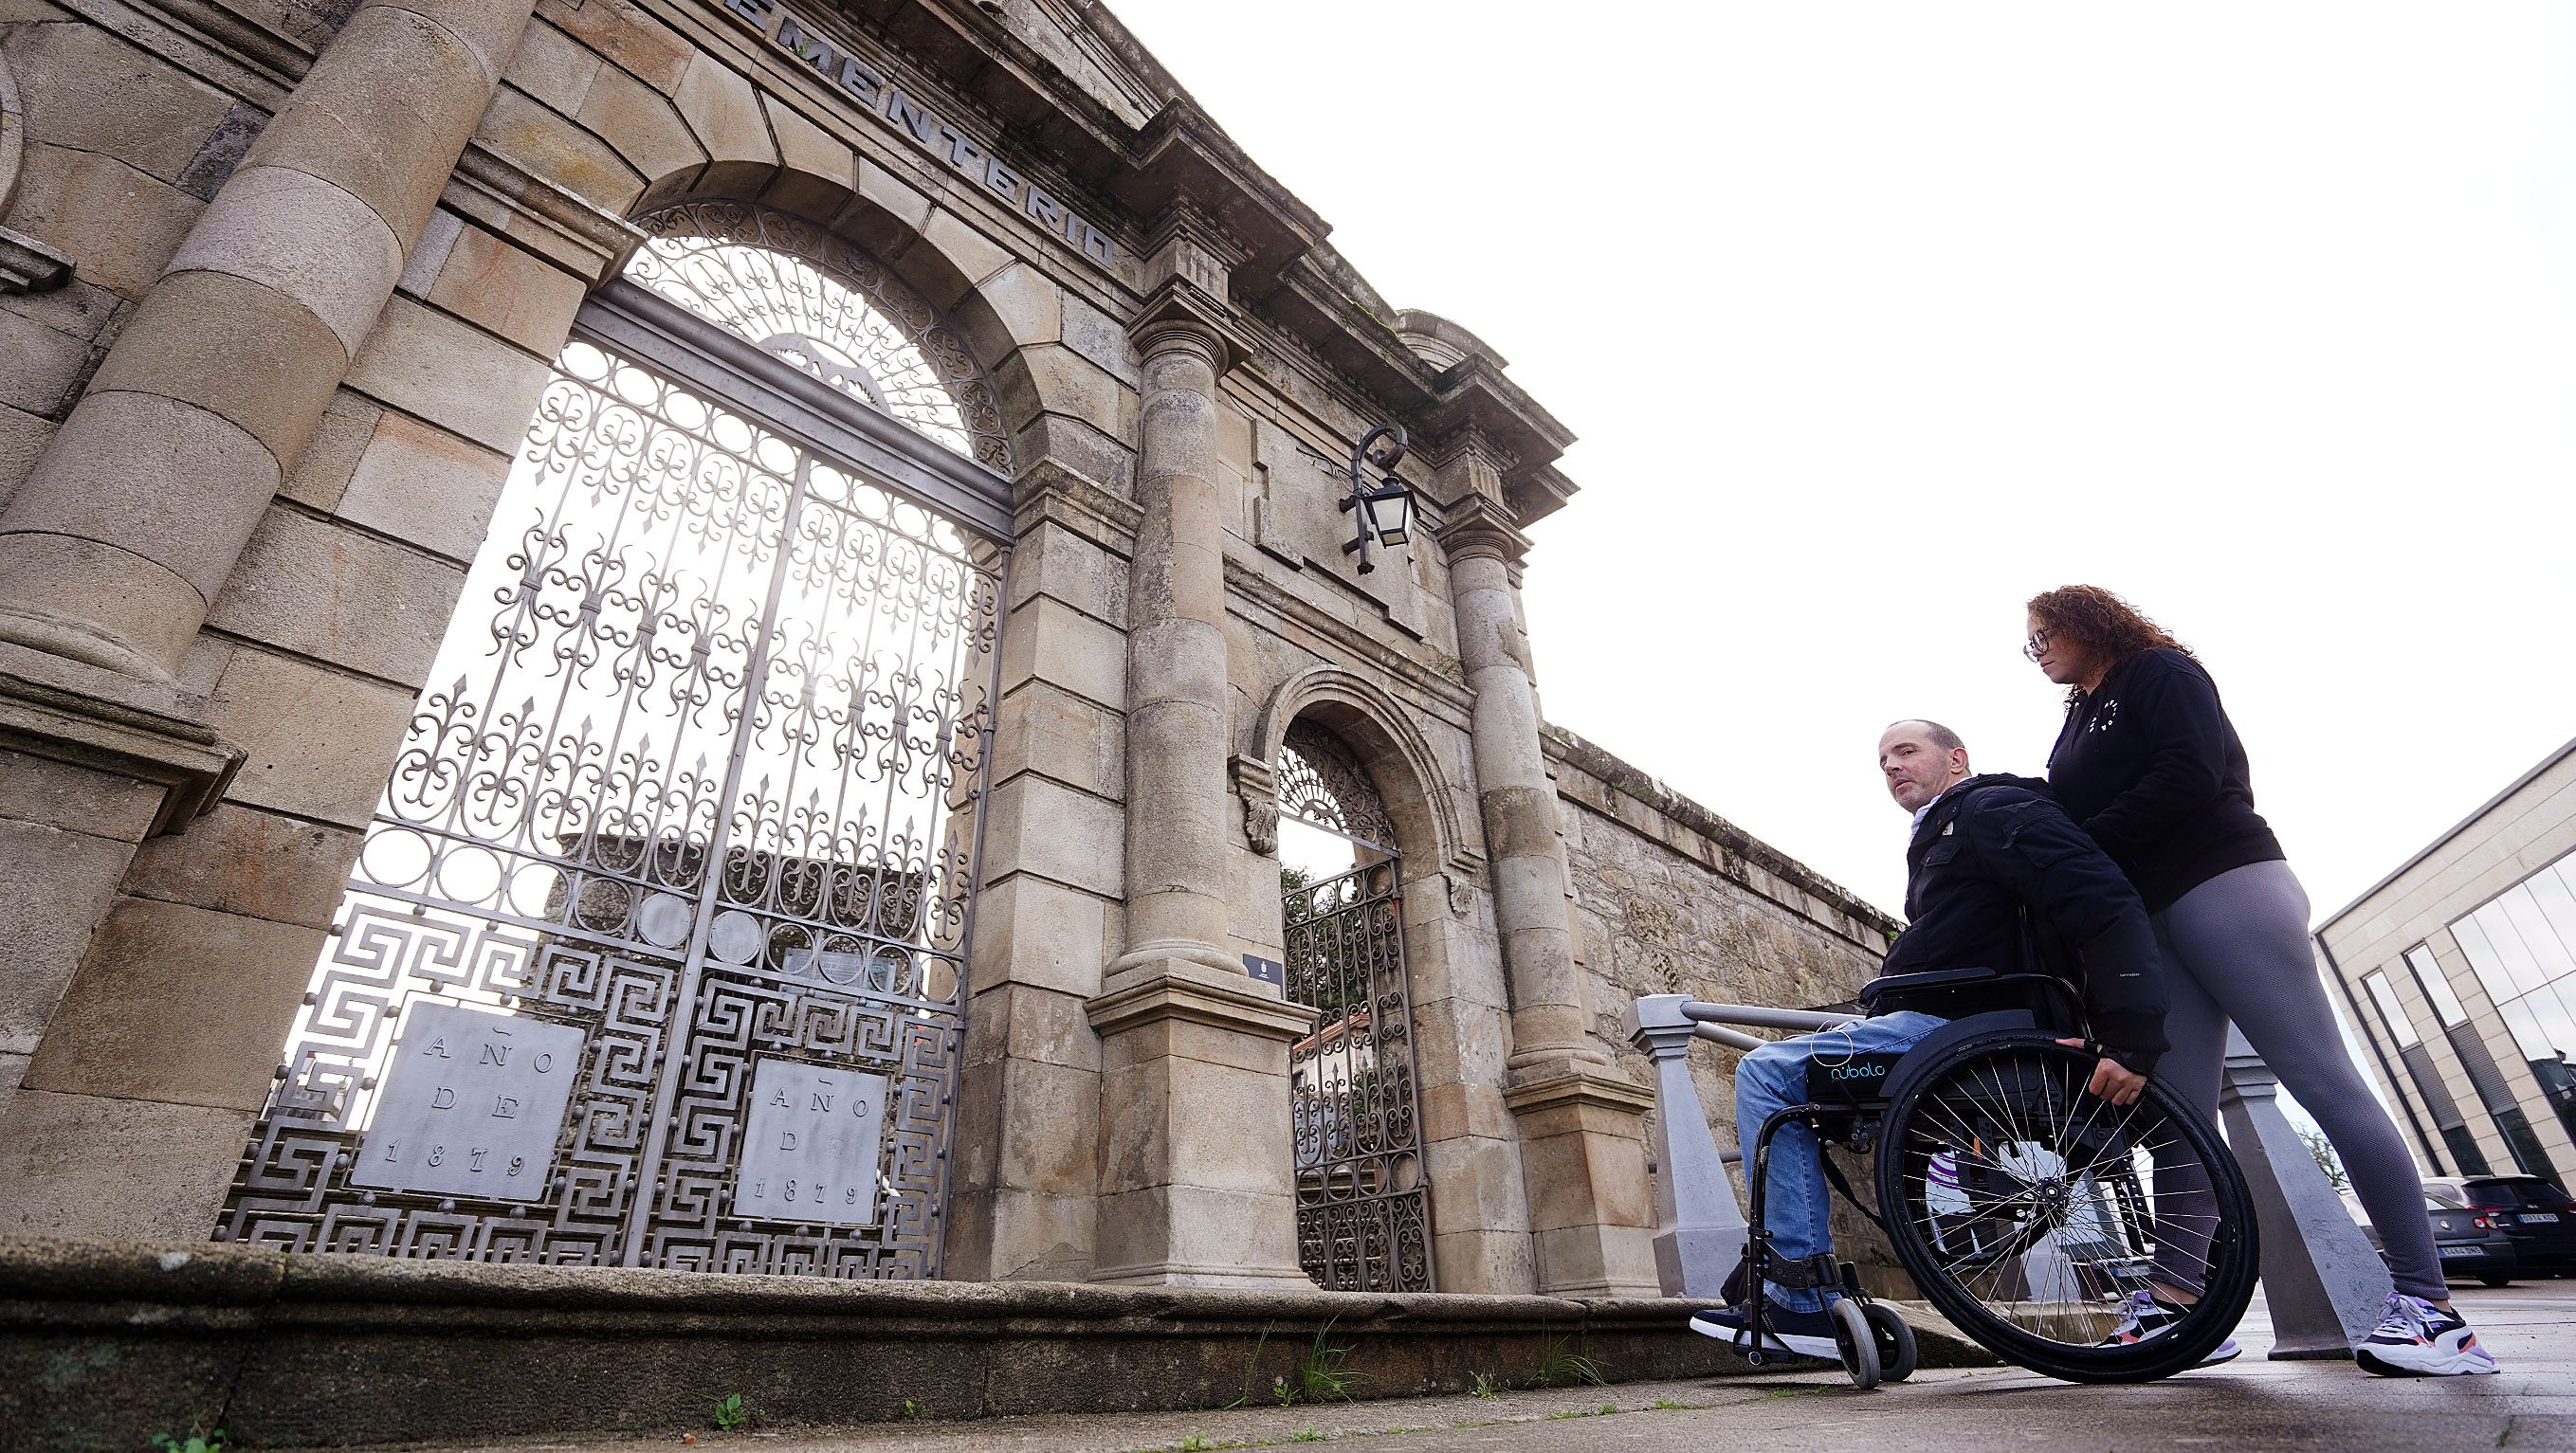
1850,1079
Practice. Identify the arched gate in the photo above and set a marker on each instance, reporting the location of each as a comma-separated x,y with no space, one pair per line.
1363,1192
654,953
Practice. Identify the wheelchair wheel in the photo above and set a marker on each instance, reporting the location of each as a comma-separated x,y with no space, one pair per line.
1897,1358
1856,1341
2028,1210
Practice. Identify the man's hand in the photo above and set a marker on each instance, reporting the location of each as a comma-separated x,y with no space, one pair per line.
2112,1080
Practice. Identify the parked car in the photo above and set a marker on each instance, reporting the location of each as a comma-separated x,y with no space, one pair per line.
2536,1213
2471,1243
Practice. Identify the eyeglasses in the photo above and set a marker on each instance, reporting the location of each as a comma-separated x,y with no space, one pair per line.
2036,646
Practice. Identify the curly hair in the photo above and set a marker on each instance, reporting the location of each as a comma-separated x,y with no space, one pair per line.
2102,623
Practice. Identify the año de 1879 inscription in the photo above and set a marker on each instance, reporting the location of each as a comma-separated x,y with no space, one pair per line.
471,1104
809,1146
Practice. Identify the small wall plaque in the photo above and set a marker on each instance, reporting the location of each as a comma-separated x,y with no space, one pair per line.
1268,971
809,1145
471,1105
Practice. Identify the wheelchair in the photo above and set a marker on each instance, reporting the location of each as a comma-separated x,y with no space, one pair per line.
2026,1209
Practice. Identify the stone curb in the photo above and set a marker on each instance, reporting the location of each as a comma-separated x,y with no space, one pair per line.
102,1346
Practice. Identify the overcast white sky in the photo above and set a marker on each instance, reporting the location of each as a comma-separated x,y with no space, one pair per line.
1876,319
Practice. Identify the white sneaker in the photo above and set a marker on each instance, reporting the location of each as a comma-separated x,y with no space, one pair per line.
2143,1317
2418,1339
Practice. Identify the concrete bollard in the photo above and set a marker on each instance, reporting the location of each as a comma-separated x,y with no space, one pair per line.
2323,1282
1699,1225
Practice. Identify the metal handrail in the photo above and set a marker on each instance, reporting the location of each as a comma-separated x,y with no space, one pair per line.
1761,1017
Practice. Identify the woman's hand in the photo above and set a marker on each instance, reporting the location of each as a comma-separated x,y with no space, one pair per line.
2112,1080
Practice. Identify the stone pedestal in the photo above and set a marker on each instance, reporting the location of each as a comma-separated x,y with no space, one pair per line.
2324,1284
1584,1161
1197,1187
1699,1226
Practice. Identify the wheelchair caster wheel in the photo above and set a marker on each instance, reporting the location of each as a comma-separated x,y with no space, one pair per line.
1896,1354
1857,1342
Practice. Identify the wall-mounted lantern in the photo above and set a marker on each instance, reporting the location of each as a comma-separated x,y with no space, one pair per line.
1387,510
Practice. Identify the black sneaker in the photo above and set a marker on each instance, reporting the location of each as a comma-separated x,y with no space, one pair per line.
1802,1334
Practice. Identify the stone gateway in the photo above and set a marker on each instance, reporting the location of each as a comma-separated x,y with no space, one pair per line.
681,633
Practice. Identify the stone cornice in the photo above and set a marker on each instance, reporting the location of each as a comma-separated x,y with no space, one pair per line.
1049,490
29,266
69,712
1581,1089
1198,1001
499,193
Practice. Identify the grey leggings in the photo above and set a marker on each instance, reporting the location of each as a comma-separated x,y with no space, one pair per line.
2236,948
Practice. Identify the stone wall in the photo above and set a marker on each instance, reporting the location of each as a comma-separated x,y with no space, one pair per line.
1670,898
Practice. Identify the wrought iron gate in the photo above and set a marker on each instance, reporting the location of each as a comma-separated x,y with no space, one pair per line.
654,952
1363,1198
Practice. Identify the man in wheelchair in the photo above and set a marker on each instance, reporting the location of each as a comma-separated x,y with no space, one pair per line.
1998,877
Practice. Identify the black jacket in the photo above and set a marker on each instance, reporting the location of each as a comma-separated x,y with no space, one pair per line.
1993,846
2150,765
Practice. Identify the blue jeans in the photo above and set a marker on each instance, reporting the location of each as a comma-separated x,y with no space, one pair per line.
1773,1078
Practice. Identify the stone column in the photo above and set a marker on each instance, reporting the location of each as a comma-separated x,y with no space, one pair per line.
130,522
111,552
1176,680
1197,1180
1582,1123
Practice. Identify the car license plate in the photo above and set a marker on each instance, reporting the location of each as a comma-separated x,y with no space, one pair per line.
2540,1218
2463,1250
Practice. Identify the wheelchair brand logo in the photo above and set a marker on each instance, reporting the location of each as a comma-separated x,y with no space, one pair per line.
1859,1072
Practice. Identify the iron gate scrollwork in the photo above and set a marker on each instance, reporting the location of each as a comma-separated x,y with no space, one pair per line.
678,851
1363,1195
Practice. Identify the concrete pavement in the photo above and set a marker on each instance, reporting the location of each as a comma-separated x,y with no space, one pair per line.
2251,1403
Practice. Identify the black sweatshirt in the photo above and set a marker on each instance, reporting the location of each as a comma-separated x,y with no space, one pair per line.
2150,765
1994,845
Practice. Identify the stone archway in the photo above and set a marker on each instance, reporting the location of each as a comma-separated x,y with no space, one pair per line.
1362,1184
655,951
1481,1233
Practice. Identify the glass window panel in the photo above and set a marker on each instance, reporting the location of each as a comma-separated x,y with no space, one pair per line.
2483,958
2528,1036
2521,970
2436,985
2556,1011
2384,994
2555,891
2550,954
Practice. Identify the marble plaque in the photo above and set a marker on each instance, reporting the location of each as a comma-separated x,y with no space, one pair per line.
809,1145
471,1104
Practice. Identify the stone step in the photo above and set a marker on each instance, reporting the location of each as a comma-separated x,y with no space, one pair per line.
104,1345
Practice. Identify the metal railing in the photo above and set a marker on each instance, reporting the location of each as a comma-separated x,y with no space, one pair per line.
2322,1282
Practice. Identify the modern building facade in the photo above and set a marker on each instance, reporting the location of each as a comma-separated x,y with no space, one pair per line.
676,632
2459,972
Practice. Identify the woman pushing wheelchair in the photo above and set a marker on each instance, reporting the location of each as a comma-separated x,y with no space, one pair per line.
2019,1140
